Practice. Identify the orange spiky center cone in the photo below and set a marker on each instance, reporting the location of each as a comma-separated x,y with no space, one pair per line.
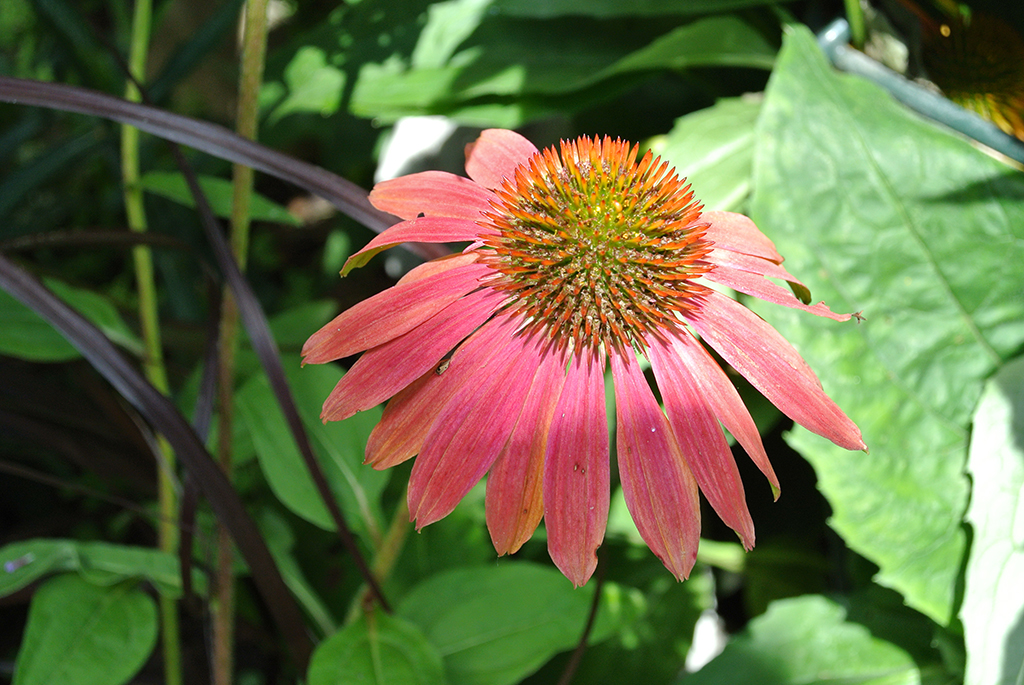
596,248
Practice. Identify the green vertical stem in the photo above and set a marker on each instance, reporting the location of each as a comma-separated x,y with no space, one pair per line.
153,362
254,41
855,17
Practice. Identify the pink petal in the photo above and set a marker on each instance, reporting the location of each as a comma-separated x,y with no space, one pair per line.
390,313
384,370
701,440
730,231
422,230
407,419
432,194
660,490
469,434
437,266
576,480
740,272
757,351
495,155
718,391
515,502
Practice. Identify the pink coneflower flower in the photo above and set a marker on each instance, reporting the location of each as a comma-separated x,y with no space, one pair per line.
494,358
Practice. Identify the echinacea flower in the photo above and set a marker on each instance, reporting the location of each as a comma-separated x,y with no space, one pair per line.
494,358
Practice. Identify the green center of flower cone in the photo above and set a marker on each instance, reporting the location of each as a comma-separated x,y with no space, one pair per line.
595,247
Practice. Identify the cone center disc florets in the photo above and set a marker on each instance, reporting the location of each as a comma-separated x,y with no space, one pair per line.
596,248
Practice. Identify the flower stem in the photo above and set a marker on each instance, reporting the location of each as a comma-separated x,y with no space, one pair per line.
855,17
153,362
254,41
384,560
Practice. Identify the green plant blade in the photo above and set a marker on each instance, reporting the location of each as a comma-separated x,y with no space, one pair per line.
83,634
807,641
496,625
100,563
218,192
881,212
993,607
379,650
340,446
25,335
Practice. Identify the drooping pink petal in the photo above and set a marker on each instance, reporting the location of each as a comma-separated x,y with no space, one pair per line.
770,363
469,433
390,313
432,194
700,439
576,479
495,156
660,490
384,370
422,230
718,391
515,502
409,415
740,272
735,232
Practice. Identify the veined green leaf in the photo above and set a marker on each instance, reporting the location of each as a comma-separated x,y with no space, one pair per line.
376,650
84,634
495,625
881,212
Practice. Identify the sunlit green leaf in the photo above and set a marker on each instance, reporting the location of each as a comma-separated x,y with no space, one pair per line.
993,608
496,624
376,650
453,67
218,192
84,634
313,85
881,212
807,641
714,150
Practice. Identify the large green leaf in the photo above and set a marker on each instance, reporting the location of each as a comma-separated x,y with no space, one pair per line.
25,335
882,212
496,624
101,563
993,608
340,445
713,149
84,634
807,641
376,650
